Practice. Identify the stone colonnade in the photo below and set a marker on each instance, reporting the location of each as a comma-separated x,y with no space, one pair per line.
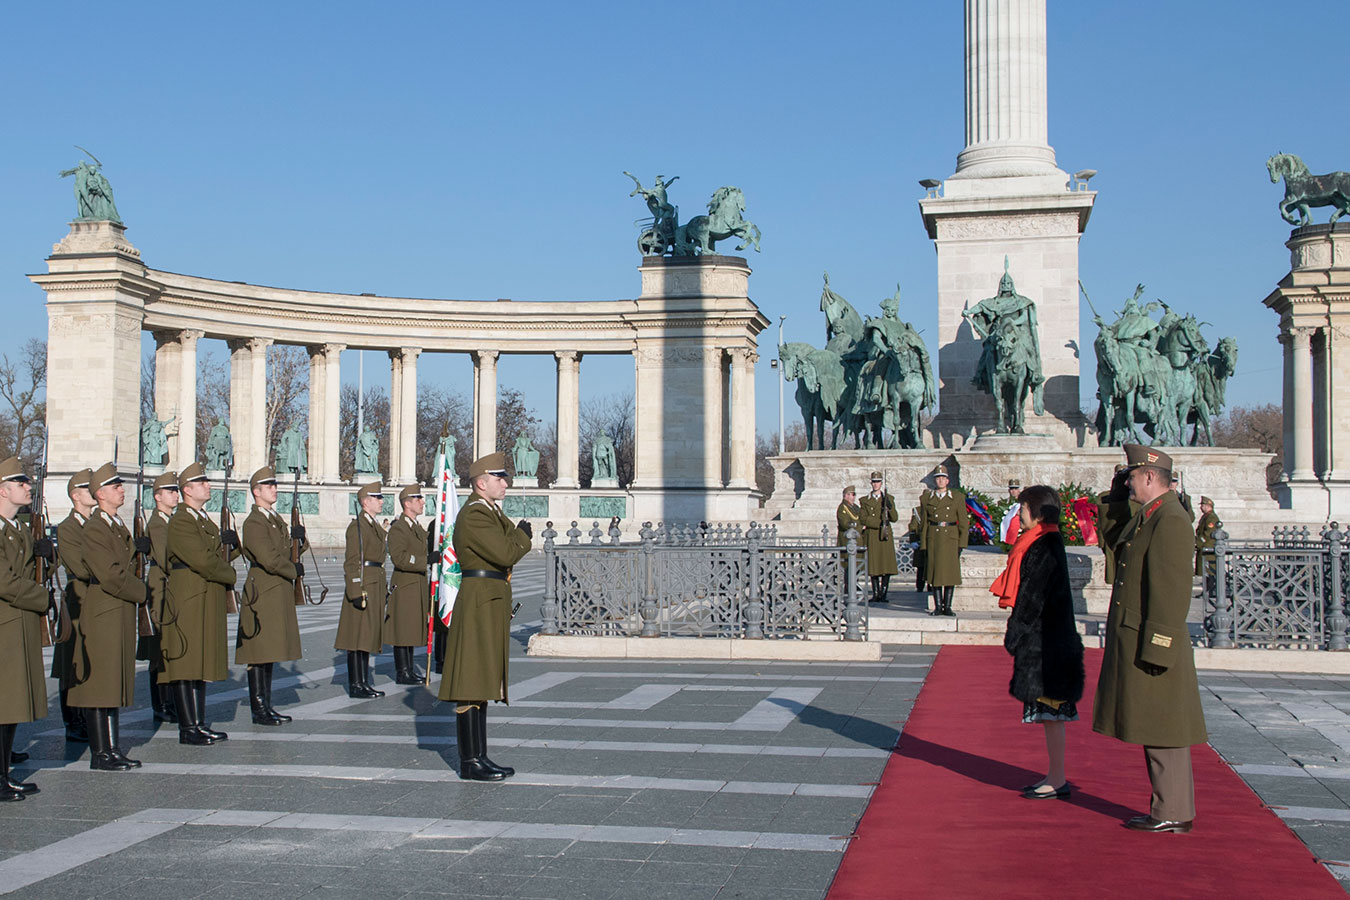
1313,302
691,334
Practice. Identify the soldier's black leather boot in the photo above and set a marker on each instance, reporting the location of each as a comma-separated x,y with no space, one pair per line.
10,789
481,712
199,698
257,697
267,695
368,675
101,757
115,746
405,672
185,698
947,600
937,602
471,764
885,588
77,730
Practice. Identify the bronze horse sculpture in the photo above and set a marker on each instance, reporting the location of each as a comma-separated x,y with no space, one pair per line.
1302,189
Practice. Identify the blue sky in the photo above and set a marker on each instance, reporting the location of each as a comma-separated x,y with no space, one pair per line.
476,151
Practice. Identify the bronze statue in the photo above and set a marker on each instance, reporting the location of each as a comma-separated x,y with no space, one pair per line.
93,193
1010,362
1303,189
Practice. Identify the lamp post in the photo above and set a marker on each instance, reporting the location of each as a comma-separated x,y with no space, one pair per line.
781,445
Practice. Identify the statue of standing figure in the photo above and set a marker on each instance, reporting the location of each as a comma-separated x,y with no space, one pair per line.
1010,363
93,193
219,448
525,458
368,453
154,441
291,454
604,466
446,447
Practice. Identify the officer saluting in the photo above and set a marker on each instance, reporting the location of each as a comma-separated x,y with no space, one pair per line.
409,597
194,639
70,553
269,631
23,603
487,545
360,622
944,531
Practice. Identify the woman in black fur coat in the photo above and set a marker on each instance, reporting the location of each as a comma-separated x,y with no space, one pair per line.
1042,637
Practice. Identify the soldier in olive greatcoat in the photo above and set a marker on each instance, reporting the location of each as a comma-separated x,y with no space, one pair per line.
409,597
877,513
23,603
193,633
108,622
1204,542
165,494
70,554
269,631
477,645
848,515
1148,693
944,531
360,630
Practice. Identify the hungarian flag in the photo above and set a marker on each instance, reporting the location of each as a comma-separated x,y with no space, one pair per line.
445,575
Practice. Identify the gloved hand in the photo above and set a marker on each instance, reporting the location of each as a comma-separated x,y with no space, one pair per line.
299,570
143,545
433,557
1120,488
297,532
44,548
230,538
525,526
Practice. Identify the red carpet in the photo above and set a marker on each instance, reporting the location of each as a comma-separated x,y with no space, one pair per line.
947,820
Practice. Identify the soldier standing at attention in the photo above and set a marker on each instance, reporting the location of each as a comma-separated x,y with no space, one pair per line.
920,576
108,622
359,624
877,514
848,515
70,553
269,631
1204,542
23,603
477,645
944,531
1148,693
195,640
165,494
409,592
1011,525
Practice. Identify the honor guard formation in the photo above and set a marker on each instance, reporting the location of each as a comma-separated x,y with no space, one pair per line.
160,589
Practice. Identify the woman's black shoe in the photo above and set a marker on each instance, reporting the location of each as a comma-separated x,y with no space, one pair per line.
1037,793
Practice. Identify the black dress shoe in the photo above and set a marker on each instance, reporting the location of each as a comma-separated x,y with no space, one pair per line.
478,770
1156,826
18,756
266,718
10,784
213,735
1039,792
195,737
122,757
106,762
8,796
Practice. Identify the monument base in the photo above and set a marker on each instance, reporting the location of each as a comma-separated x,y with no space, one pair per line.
1014,443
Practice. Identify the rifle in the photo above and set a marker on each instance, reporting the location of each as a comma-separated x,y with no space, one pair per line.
144,627
37,520
231,600
303,594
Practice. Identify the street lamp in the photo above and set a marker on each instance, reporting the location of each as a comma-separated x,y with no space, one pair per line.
778,364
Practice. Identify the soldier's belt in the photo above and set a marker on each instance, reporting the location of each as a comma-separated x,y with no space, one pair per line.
944,524
175,566
483,573
369,563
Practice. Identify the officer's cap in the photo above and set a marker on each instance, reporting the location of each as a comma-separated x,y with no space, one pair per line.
492,464
410,492
1207,500
80,479
876,476
374,489
166,481
851,489
12,470
265,475
1137,455
103,476
1014,484
941,470
192,472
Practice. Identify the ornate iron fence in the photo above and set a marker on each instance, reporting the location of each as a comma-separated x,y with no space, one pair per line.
703,581
1287,593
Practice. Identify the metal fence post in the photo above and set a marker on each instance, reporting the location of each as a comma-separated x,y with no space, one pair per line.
1221,622
852,612
649,605
548,610
1336,621
754,606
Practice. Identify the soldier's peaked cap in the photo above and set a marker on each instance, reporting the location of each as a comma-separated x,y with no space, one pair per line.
876,476
410,492
192,472
167,481
265,475
941,470
104,475
374,489
12,470
492,464
1207,500
80,479
1138,455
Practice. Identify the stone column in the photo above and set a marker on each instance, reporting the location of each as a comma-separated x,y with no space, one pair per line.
1006,122
332,419
485,402
1302,403
395,473
742,414
1286,406
1321,400
569,418
242,406
168,373
318,407
713,414
259,452
186,449
408,416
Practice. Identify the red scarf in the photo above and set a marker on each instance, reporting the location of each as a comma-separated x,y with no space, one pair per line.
1006,584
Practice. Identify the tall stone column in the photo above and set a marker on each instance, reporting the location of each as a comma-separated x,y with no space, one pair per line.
713,412
318,408
742,415
168,374
332,419
1286,406
408,416
395,473
569,418
485,402
1302,403
259,449
242,405
186,450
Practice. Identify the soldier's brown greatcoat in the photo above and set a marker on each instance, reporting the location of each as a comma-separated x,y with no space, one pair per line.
269,630
362,629
23,603
193,631
107,629
849,516
480,628
944,531
1204,543
1147,692
877,514
409,596
70,554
